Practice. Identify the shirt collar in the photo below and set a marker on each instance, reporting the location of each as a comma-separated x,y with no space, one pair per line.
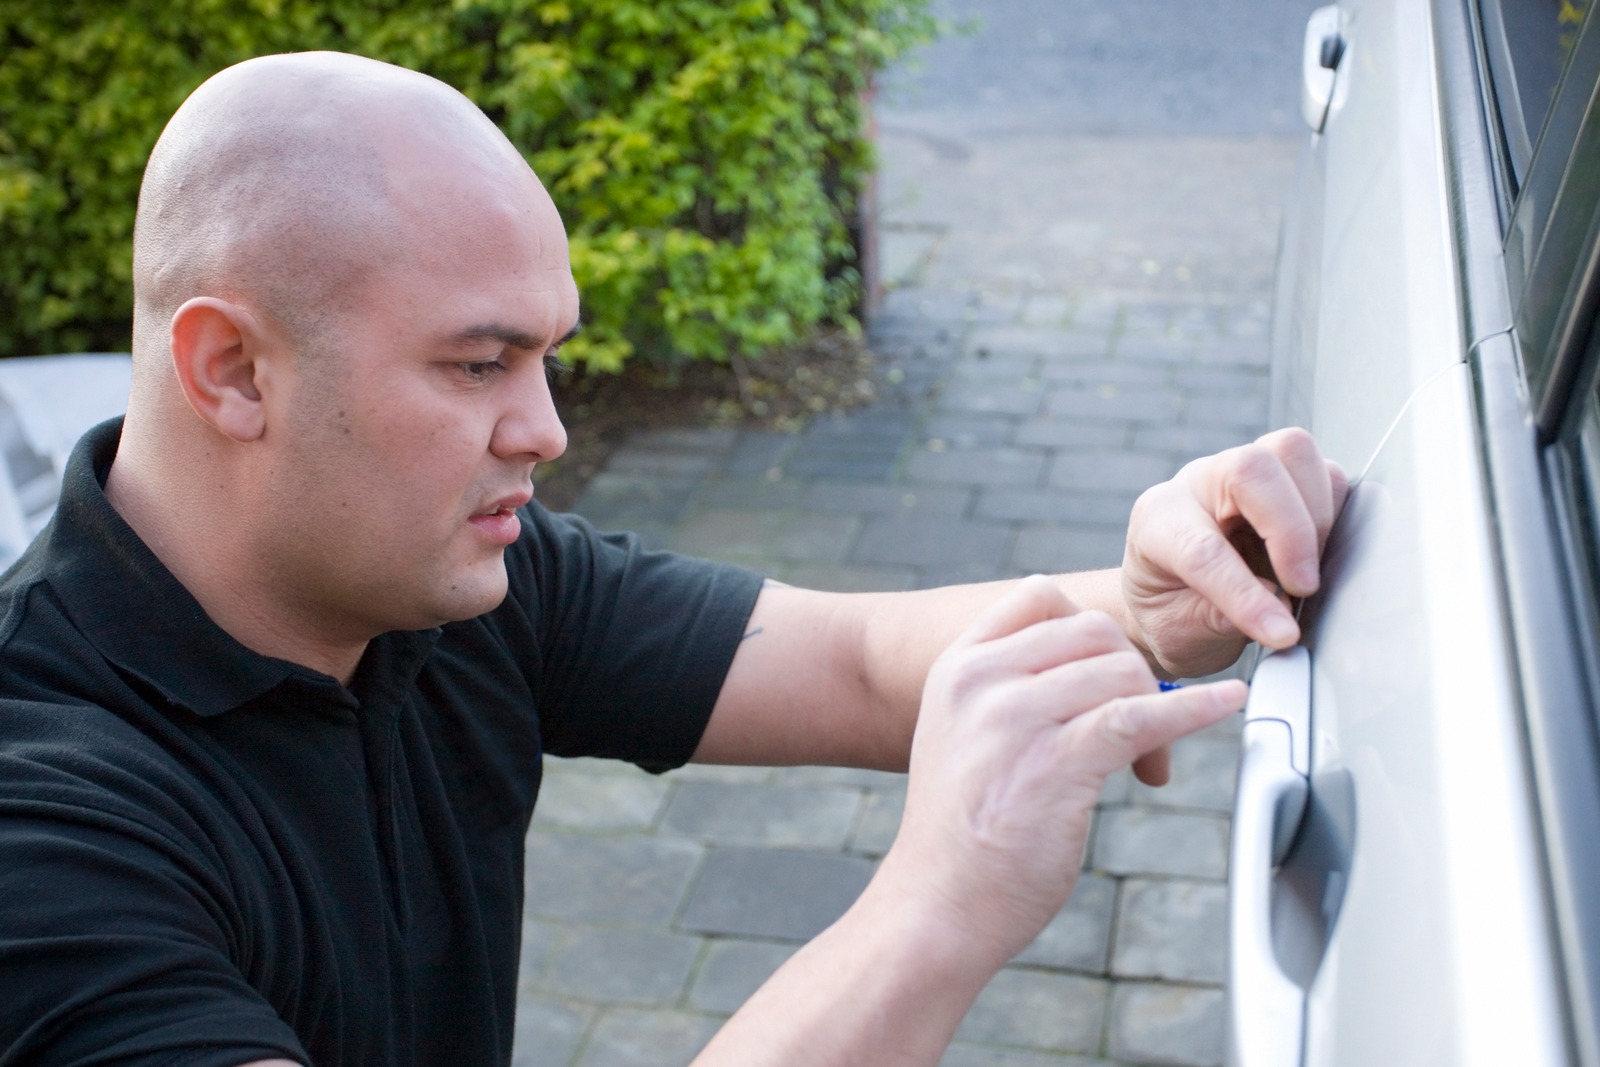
141,618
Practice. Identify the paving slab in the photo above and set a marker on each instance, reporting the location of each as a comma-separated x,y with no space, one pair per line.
962,1054
734,969
773,893
975,466
1102,470
933,541
1061,547
725,532
1149,841
634,879
624,966
865,498
1038,1008
548,1031
539,940
1108,400
969,429
766,814
1164,1023
1054,506
1173,929
587,801
636,1038
1089,431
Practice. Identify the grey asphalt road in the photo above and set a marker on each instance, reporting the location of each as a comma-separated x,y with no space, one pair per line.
1141,67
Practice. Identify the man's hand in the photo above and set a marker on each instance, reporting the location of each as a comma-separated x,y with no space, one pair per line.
1023,718
1214,554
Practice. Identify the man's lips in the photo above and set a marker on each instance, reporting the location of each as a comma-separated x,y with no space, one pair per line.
510,502
499,521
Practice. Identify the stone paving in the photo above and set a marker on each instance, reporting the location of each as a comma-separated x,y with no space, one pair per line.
1072,318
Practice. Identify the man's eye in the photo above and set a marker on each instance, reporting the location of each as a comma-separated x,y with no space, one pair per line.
482,370
554,368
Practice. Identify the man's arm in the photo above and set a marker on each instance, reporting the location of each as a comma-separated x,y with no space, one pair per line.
837,678
1023,718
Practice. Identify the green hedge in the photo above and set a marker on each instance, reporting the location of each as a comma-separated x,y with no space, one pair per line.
704,153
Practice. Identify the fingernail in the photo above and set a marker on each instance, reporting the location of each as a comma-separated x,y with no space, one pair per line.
1280,630
1306,576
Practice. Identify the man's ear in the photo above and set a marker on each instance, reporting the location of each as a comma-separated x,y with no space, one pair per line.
217,352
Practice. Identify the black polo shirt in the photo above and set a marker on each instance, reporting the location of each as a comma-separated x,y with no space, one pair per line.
209,857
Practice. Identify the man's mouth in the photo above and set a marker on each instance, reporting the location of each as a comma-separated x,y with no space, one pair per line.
499,522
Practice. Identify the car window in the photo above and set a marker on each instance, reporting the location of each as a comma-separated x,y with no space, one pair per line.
1553,239
1587,449
1527,43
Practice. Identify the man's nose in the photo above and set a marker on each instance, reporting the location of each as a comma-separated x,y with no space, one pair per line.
529,427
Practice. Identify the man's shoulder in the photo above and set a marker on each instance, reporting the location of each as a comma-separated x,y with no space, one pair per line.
19,585
65,709
44,656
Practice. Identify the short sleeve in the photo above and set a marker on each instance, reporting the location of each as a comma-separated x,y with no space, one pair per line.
114,941
632,644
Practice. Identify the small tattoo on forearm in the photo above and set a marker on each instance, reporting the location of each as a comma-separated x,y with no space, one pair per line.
751,634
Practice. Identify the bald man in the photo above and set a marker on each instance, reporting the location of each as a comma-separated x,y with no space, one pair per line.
277,679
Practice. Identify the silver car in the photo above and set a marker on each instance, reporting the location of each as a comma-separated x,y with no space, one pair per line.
1415,871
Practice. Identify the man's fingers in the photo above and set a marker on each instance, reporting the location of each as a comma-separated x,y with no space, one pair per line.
1270,500
1032,600
1053,642
1340,481
1298,452
1074,688
1119,732
1205,561
1322,487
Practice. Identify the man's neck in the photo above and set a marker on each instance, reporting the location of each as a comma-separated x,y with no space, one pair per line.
193,540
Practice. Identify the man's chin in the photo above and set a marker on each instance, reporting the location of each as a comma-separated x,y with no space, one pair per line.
477,593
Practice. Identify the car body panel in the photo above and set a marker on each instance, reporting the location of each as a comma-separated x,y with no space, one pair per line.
1440,952
1453,739
1372,310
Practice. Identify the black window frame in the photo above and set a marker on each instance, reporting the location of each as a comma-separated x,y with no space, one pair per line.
1552,242
1529,292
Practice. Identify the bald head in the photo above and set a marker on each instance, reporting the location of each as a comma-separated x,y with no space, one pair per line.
280,184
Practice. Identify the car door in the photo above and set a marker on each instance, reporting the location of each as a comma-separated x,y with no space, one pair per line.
1417,825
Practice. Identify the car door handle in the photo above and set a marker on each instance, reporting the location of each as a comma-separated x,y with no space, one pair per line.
1266,1007
1319,65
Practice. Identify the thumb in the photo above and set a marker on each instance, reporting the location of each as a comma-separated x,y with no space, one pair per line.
1032,600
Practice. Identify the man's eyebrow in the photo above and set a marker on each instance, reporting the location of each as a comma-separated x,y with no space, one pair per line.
510,335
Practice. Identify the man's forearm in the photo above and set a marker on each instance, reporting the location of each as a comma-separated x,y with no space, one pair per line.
836,678
882,986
